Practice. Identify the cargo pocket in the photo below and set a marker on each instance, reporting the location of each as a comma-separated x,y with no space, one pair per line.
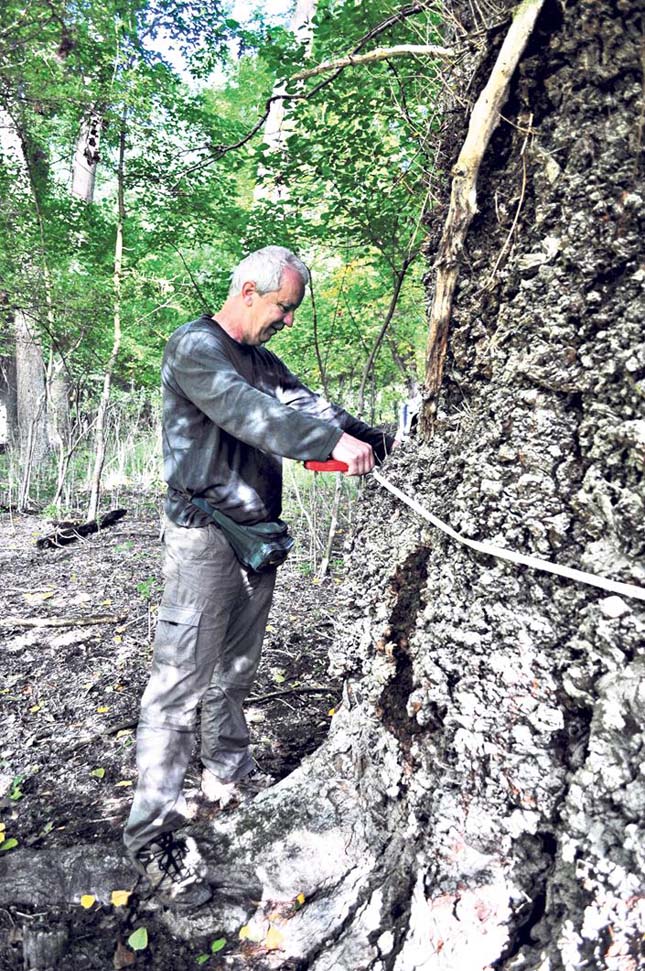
176,636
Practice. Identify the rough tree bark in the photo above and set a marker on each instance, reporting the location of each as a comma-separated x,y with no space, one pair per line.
479,801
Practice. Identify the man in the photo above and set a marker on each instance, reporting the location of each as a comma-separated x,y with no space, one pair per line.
231,410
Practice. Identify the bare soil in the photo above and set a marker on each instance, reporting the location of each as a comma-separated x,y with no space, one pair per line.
70,696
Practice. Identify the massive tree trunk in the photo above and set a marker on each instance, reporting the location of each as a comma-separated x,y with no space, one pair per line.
479,801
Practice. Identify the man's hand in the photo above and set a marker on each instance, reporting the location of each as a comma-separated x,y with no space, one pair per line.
358,455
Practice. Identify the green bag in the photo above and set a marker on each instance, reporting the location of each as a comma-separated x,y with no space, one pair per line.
260,547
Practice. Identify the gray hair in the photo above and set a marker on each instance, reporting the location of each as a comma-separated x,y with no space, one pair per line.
265,268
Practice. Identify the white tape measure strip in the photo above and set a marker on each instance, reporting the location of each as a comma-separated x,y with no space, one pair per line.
535,562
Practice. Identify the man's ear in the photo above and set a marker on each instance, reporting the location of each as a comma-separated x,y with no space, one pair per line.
248,291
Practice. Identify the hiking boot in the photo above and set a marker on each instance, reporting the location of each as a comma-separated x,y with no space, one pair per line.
234,793
175,870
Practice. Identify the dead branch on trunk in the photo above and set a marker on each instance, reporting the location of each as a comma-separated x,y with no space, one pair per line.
378,54
463,200
66,533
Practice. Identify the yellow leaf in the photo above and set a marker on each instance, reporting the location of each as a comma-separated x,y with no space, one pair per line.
269,628
2,827
250,932
102,709
274,938
2,836
34,598
35,708
301,898
106,603
88,900
122,732
124,782
331,712
120,897
117,639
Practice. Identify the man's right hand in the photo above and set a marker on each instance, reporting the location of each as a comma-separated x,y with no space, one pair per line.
357,455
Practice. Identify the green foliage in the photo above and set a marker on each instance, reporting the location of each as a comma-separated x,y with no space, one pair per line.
356,169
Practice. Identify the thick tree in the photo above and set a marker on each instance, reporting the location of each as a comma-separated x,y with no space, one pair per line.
479,801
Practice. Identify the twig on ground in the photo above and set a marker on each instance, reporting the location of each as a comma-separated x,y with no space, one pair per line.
62,621
290,691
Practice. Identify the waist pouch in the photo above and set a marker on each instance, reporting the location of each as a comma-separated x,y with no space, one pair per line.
260,547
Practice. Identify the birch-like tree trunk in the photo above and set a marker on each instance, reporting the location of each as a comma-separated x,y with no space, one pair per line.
86,157
101,418
277,124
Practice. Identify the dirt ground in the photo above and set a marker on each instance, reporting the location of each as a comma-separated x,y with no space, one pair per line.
69,699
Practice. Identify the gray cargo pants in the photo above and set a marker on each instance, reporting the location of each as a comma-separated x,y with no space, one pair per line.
207,648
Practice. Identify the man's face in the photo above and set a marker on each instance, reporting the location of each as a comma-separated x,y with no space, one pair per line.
270,312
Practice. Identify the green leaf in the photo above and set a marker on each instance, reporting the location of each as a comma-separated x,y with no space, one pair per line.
202,959
218,945
138,940
8,844
98,773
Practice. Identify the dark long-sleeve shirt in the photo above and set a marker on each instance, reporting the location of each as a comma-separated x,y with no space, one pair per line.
230,412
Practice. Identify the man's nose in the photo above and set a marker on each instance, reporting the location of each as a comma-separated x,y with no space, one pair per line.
289,318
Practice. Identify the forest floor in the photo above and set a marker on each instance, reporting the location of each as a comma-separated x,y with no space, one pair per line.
69,697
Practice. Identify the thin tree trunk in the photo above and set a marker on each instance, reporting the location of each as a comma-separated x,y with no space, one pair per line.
86,157
399,277
333,525
275,127
100,443
30,394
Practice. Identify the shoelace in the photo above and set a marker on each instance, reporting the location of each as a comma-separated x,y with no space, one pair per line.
170,855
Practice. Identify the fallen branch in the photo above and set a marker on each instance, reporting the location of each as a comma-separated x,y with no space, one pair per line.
62,621
378,54
66,533
463,200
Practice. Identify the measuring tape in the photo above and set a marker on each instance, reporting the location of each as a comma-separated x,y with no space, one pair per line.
534,562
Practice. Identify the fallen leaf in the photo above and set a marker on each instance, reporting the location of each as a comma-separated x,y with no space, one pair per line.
123,957
269,628
88,900
117,639
124,782
138,940
300,899
218,945
98,773
35,708
106,603
120,898
122,732
251,933
274,939
331,712
202,959
279,678
8,844
102,709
